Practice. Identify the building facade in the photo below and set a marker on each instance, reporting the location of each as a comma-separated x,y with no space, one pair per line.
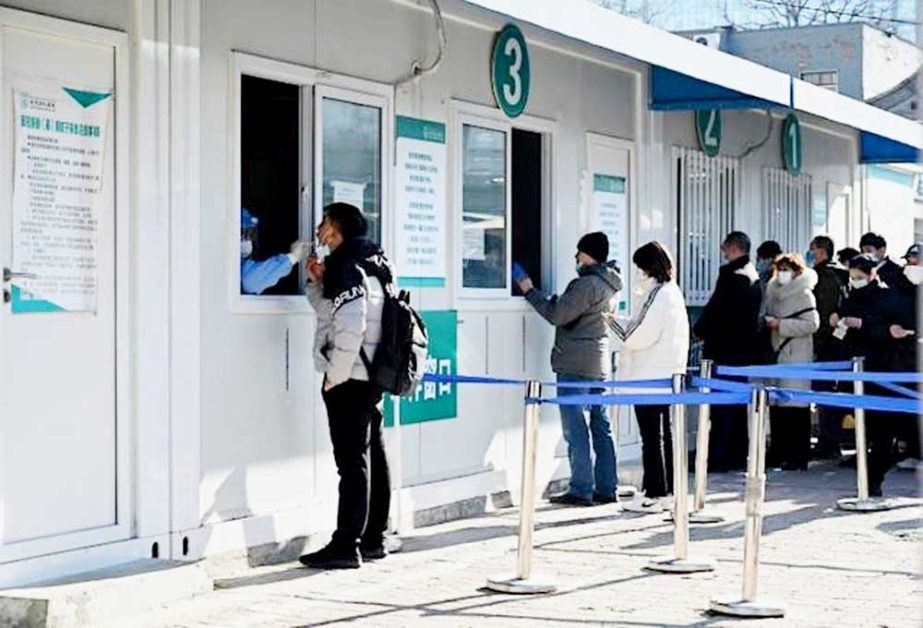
150,408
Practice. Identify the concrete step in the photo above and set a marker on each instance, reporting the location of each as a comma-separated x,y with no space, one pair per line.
106,595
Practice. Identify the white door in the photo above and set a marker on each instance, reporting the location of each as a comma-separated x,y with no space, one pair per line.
61,441
609,187
840,219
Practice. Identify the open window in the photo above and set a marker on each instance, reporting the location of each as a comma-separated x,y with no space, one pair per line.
270,174
302,139
503,194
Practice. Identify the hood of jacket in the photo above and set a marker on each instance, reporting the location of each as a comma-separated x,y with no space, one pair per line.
608,272
805,282
342,266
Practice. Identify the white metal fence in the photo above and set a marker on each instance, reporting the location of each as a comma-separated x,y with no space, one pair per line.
786,208
707,190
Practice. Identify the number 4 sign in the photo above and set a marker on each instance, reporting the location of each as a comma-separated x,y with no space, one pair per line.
510,71
708,130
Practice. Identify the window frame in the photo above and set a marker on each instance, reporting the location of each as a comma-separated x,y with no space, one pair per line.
834,87
313,84
465,113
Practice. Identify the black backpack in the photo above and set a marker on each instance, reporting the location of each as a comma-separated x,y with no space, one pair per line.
400,359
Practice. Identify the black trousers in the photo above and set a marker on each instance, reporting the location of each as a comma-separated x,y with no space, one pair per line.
790,438
359,452
656,449
728,440
882,429
830,434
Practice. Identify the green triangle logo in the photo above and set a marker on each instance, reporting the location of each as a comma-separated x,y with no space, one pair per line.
87,99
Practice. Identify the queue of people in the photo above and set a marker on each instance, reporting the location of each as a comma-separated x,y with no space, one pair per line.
785,309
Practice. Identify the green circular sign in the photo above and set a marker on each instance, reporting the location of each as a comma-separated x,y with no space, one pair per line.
791,144
510,71
708,130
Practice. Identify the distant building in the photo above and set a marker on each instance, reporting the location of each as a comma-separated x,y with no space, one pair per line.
854,59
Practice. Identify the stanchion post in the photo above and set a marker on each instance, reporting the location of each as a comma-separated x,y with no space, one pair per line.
680,562
862,502
748,606
398,526
524,582
703,433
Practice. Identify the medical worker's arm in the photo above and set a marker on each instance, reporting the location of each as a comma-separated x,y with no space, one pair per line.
256,277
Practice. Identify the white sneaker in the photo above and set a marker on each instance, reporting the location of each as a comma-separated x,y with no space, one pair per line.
627,491
646,505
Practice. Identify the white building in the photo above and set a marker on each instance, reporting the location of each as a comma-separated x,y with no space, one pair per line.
148,408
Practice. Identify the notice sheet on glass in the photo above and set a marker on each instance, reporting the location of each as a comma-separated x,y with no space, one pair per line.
421,211
610,215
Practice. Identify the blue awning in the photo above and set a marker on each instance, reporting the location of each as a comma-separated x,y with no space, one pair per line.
674,91
875,149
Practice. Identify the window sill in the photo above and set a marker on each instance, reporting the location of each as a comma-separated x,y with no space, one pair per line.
281,304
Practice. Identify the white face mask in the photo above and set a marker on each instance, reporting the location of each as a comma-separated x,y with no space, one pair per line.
914,274
246,248
856,284
322,251
785,277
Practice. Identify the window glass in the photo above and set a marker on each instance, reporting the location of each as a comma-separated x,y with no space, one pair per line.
270,171
352,158
484,222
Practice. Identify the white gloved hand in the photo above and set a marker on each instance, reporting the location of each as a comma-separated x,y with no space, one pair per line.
299,251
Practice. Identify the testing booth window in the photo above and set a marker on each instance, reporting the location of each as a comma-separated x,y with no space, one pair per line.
270,120
300,145
502,199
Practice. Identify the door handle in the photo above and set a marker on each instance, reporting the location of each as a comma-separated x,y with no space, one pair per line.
9,275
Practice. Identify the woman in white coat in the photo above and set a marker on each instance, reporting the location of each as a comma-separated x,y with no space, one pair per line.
655,345
791,316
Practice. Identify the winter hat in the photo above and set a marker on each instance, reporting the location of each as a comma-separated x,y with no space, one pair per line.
596,245
914,250
349,218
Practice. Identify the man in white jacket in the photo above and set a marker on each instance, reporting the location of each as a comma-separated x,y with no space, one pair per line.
347,290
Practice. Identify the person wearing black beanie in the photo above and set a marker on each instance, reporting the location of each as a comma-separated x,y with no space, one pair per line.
581,355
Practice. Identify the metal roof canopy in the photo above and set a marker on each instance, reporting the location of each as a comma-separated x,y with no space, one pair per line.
686,75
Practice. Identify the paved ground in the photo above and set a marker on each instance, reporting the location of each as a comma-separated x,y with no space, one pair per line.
828,568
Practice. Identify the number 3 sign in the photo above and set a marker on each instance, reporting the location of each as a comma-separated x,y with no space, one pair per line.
510,71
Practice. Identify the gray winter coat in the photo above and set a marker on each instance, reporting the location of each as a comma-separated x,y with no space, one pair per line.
796,333
581,345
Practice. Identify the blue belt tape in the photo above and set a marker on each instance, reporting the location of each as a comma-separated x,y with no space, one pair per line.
686,399
902,390
841,400
469,379
721,385
769,372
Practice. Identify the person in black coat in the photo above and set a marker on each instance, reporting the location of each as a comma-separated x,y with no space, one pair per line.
829,292
887,270
729,327
861,323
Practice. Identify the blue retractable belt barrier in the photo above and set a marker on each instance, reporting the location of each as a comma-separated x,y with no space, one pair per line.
686,399
468,379
768,372
902,390
842,400
721,384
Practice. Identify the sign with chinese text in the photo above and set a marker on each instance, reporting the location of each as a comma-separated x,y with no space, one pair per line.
434,401
60,136
421,212
610,215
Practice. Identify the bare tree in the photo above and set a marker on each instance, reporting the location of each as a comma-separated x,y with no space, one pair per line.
809,12
647,11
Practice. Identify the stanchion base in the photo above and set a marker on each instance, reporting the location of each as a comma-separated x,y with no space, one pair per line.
393,544
741,608
536,585
704,518
699,518
681,565
872,504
